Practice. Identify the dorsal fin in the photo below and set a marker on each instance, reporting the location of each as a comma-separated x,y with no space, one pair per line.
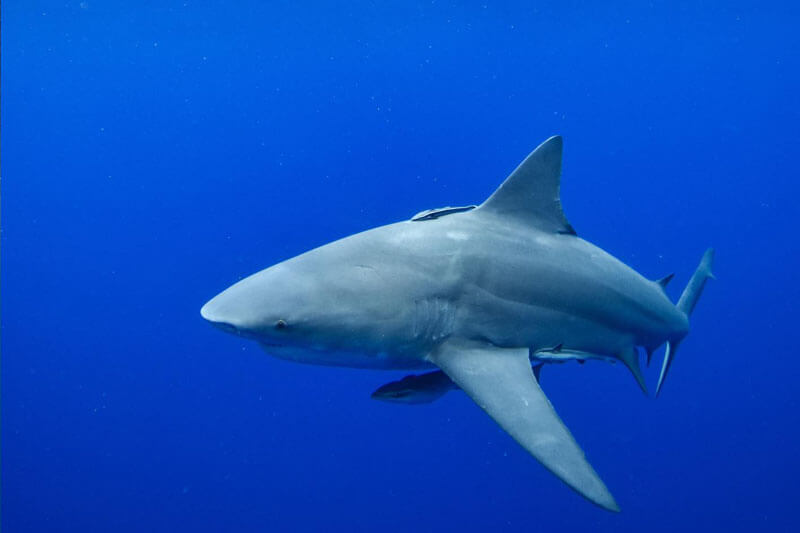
531,192
665,280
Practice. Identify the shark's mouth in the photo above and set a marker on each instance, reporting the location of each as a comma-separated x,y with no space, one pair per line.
333,356
239,332
302,354
227,328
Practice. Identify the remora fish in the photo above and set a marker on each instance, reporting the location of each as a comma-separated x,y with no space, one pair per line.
472,291
423,388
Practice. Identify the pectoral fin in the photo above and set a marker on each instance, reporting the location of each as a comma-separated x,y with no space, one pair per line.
501,382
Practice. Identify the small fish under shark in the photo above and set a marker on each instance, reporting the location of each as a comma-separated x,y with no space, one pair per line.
482,295
428,387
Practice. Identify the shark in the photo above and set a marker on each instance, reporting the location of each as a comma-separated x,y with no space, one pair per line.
479,295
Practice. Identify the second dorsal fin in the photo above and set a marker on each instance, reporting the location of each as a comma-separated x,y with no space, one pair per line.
665,280
531,192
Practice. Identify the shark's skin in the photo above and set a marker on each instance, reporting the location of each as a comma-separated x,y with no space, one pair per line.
473,292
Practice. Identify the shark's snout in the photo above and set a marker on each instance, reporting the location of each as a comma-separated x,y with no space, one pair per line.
213,312
209,312
233,314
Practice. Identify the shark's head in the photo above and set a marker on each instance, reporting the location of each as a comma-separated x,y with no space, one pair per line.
267,306
316,307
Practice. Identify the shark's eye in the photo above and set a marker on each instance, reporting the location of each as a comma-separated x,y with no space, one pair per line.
280,324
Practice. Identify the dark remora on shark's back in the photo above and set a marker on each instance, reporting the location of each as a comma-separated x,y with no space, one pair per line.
479,292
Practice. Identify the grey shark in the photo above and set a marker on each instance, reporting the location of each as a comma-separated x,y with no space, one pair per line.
477,292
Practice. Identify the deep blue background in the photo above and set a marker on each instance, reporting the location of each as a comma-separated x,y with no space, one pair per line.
153,153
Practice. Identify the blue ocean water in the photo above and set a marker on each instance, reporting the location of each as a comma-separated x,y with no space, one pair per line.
155,152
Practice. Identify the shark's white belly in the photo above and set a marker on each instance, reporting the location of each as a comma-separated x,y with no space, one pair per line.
377,360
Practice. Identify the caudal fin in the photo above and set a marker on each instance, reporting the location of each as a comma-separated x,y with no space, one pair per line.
686,305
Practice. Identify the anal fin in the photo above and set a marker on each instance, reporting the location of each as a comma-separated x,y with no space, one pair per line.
630,357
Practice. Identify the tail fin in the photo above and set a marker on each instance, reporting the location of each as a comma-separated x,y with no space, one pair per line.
686,305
